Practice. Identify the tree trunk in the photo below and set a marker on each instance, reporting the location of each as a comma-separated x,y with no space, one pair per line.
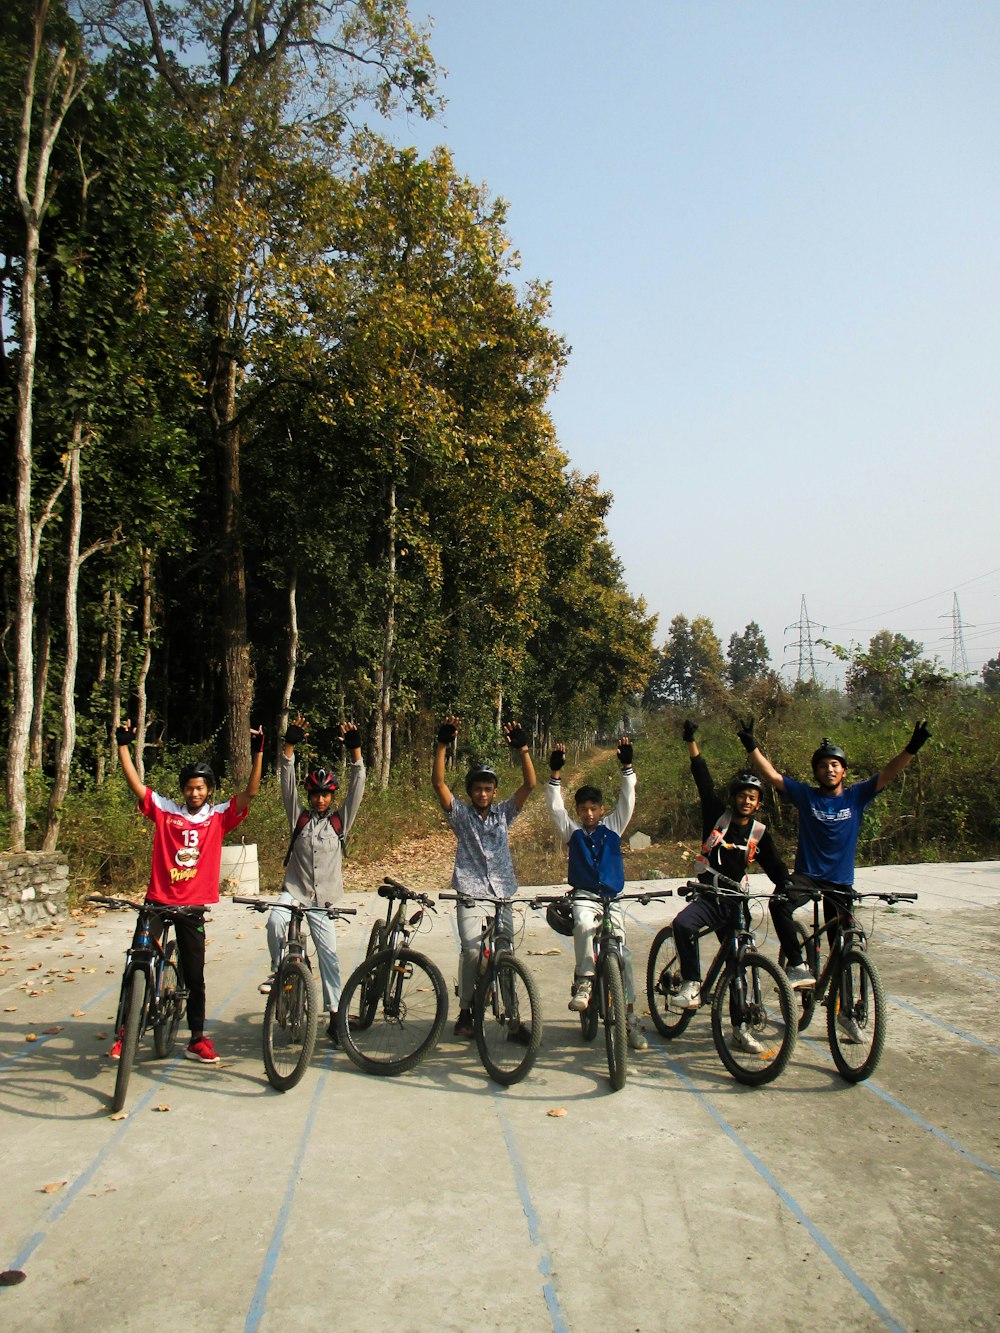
100,749
147,654
116,672
43,648
382,739
292,665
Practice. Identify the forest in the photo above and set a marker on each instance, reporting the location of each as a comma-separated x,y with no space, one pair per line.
274,400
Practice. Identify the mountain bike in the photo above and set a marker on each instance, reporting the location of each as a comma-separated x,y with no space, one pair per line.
153,992
506,1009
291,1015
741,984
395,1003
607,1002
848,983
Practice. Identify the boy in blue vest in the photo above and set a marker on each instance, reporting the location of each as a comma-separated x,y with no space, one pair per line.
596,871
314,865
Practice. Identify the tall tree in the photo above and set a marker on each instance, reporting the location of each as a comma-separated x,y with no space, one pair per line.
690,660
747,655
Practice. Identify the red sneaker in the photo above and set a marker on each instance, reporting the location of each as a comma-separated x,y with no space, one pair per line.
116,1050
203,1051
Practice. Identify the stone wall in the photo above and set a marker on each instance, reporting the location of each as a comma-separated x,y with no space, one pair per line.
33,888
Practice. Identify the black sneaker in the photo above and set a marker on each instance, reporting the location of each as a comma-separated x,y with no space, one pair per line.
463,1026
521,1035
331,1031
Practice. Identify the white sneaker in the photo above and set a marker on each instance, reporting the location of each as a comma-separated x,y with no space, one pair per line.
266,984
581,995
686,996
850,1030
799,976
636,1036
744,1040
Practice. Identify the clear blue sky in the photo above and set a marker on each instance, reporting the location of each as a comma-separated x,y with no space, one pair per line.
772,231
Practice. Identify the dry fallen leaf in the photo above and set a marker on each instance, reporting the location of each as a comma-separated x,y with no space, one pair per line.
10,1009
10,1277
161,1108
118,1115
543,953
51,1032
79,1013
101,1036
34,967
53,1187
557,1110
31,1036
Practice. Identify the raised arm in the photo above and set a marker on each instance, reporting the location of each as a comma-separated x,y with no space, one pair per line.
759,760
357,776
124,736
517,740
895,766
243,798
447,732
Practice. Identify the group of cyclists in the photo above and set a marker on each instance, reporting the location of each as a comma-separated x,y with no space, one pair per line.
187,849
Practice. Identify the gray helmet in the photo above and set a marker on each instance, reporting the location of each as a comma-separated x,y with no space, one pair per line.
746,782
480,775
828,751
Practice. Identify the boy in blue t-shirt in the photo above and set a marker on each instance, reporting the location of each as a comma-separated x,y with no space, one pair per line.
829,827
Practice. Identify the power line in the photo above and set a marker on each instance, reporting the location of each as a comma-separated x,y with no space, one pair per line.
846,624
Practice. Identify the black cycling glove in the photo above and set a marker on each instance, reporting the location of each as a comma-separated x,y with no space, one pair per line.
556,760
352,739
447,732
256,741
625,754
516,738
125,735
689,729
920,737
747,738
294,734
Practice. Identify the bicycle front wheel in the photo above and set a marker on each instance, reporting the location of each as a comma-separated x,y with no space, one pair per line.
612,991
409,1014
753,1020
663,976
290,1020
168,1006
507,1019
135,999
856,1017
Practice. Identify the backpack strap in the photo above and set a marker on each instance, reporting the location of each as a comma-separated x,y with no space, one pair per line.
335,819
717,835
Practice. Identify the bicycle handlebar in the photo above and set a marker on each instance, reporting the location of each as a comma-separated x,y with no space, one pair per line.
159,909
391,888
262,904
543,899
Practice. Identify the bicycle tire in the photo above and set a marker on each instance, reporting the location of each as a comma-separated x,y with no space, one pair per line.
135,999
168,1007
410,1013
612,988
290,1021
368,993
507,1020
805,996
859,981
768,1014
663,974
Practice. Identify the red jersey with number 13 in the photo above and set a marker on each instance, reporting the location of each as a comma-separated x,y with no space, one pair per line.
187,849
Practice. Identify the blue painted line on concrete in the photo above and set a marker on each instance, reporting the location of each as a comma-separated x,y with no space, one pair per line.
938,1023
58,1209
549,1291
932,953
258,1304
31,1048
824,1243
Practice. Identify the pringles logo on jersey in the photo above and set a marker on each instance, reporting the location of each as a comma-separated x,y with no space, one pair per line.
186,856
179,876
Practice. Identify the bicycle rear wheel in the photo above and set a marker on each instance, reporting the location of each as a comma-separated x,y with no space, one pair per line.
290,1020
410,1011
612,992
754,1020
507,1019
663,976
135,1000
856,1017
168,1006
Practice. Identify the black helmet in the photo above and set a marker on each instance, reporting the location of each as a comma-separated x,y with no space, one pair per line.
196,770
560,916
480,775
828,751
320,779
746,782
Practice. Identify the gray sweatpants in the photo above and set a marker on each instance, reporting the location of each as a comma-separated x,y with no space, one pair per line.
324,937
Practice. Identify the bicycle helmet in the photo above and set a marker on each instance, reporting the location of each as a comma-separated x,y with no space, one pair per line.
828,751
320,779
560,916
480,775
746,782
196,770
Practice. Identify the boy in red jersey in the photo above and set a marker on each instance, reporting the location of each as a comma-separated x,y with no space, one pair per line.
187,854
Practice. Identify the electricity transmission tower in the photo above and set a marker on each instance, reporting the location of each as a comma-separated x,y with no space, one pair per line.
804,643
959,657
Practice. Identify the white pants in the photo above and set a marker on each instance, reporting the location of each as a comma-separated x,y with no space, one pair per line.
587,913
471,921
324,937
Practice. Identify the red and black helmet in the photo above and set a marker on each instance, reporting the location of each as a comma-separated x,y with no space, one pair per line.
320,779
